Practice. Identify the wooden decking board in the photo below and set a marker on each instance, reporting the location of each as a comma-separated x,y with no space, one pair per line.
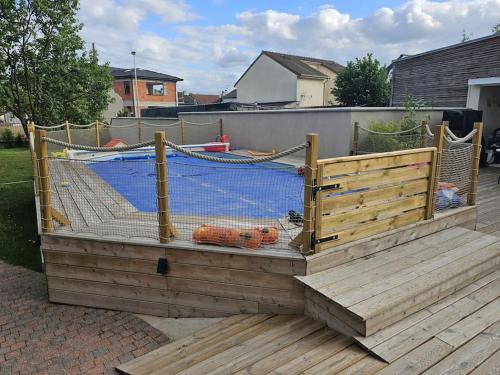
407,340
394,329
437,242
470,355
385,294
337,362
489,367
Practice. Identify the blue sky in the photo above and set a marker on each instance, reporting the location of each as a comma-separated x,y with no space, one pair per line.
209,43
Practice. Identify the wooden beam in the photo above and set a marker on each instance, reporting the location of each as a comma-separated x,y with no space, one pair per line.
355,140
431,188
183,133
310,177
97,137
439,133
68,131
59,217
476,141
139,129
423,133
221,127
43,169
162,188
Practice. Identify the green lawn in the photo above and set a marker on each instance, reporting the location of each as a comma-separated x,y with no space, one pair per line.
18,229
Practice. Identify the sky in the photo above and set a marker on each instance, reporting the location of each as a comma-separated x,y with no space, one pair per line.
210,43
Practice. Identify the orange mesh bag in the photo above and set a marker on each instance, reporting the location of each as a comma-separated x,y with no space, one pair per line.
247,238
269,235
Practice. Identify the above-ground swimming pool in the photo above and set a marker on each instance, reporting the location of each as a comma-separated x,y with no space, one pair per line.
199,187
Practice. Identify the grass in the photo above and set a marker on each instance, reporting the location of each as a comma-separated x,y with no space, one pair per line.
18,227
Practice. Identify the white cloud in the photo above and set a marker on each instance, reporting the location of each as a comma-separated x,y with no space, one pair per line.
211,58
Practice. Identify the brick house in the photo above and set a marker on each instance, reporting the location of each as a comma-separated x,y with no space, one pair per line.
154,90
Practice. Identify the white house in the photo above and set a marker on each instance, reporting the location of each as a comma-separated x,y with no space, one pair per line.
292,81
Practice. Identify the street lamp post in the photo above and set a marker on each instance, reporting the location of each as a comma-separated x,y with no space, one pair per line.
136,93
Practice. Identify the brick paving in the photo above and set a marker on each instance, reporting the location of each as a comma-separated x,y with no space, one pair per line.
38,337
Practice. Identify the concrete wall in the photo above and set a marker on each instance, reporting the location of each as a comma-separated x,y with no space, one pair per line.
489,103
267,130
310,92
267,81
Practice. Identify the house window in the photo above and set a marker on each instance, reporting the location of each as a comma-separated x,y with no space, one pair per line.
126,87
155,88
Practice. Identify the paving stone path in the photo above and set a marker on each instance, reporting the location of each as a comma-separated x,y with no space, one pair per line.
38,337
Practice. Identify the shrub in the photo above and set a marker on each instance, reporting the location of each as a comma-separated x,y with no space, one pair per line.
19,139
7,136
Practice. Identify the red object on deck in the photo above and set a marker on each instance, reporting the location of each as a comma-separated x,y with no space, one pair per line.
225,138
217,147
115,142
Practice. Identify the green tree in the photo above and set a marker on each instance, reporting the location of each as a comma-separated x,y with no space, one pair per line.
363,82
466,36
496,29
46,74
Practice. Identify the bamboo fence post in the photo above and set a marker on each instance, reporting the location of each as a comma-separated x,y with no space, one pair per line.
139,129
355,140
43,171
68,132
162,187
423,132
310,176
97,137
183,135
31,140
221,127
476,141
439,144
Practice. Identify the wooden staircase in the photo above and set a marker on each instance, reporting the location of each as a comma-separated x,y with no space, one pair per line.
367,295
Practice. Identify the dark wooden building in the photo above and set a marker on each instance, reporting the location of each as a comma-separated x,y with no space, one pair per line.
440,77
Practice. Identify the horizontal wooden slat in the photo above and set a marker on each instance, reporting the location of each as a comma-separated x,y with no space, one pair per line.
106,276
266,295
107,302
379,212
228,305
376,178
343,203
372,162
371,228
375,156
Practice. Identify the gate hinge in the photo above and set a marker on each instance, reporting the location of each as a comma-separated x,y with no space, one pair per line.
317,188
162,266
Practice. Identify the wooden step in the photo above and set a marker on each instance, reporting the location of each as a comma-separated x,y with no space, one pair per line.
367,295
258,344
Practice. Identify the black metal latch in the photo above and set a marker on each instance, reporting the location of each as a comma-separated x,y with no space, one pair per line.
162,266
316,188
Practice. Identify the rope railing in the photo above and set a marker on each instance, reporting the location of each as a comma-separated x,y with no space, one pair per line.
86,126
200,123
120,126
177,123
98,149
390,133
50,127
453,139
263,159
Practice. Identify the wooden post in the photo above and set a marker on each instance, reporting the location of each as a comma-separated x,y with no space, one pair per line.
183,135
162,187
139,129
97,137
355,140
68,132
423,133
43,171
31,133
310,176
476,142
221,128
436,171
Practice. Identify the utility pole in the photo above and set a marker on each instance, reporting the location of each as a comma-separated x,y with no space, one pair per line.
136,93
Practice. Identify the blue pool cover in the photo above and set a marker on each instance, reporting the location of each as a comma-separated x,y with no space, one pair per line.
198,187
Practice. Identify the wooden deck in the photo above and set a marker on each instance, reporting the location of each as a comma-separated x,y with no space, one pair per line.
372,293
95,208
488,200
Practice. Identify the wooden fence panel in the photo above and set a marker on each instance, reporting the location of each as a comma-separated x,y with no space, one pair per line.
363,195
